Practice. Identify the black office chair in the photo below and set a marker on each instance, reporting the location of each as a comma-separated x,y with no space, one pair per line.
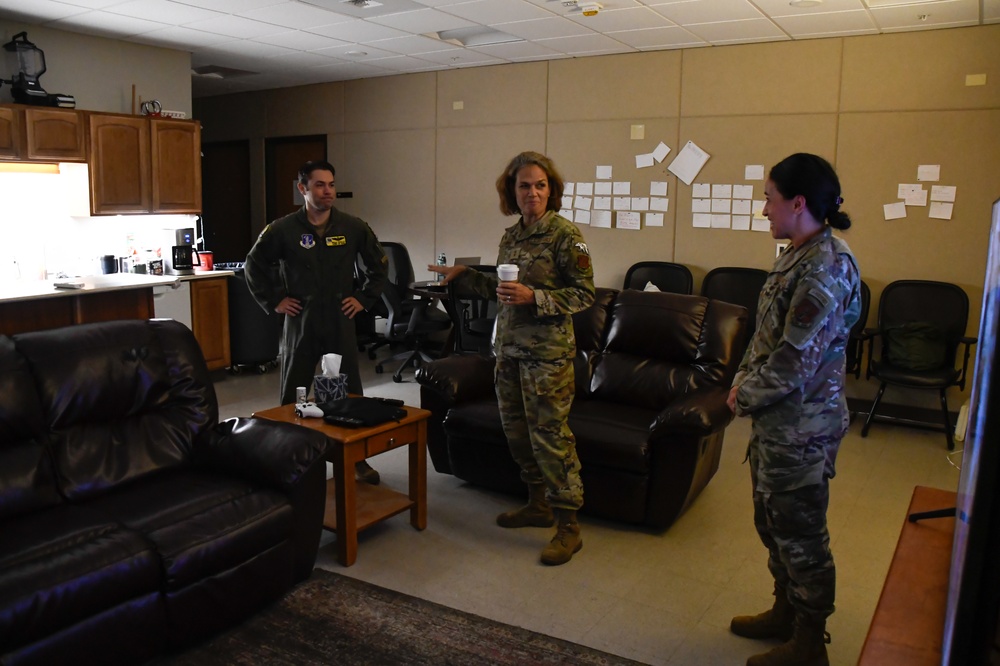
400,275
667,276
472,316
856,339
921,323
413,327
740,286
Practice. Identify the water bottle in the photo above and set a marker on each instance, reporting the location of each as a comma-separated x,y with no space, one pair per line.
441,261
300,395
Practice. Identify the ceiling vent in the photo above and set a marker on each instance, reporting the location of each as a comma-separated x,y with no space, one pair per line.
365,8
474,36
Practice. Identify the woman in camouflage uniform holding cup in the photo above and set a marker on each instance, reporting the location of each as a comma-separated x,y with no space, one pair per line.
535,345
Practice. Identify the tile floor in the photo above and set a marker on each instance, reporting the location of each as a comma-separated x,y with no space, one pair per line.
658,598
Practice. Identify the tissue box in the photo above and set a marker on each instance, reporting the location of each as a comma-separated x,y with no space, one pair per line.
326,388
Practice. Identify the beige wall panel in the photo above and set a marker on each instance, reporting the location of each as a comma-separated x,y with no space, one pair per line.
391,175
390,103
99,72
922,70
303,110
230,117
879,151
634,85
786,77
578,148
733,143
499,95
469,160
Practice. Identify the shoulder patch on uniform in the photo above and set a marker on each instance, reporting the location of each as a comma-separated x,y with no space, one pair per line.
810,306
582,247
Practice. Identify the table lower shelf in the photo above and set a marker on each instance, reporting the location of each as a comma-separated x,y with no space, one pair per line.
375,504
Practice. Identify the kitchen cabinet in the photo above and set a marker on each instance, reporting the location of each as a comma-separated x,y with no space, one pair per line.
41,134
54,135
210,319
144,165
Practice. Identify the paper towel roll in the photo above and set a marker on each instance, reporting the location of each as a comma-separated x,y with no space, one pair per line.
330,365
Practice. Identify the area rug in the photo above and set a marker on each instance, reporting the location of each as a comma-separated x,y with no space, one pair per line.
334,619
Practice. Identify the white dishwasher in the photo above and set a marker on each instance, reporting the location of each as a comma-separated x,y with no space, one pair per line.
173,301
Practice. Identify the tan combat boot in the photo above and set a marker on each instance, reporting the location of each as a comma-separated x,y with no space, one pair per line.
566,541
807,647
778,622
536,513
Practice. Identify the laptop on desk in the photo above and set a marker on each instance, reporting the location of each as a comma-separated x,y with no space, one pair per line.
468,261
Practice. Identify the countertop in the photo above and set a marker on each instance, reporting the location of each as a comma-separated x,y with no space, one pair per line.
34,289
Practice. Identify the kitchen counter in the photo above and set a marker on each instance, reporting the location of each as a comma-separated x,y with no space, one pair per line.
36,289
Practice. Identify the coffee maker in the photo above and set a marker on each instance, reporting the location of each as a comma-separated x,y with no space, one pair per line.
180,259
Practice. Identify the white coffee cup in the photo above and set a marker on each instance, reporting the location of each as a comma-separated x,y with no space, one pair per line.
507,272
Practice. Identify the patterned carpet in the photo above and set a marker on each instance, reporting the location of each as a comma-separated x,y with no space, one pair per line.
333,619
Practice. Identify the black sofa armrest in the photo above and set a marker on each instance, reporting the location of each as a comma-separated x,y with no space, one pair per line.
459,378
700,413
266,452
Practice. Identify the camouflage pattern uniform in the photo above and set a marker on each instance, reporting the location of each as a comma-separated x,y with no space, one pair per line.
791,381
319,272
535,347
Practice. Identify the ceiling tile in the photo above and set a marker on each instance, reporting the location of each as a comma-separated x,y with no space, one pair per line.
517,50
706,11
408,64
230,6
738,32
940,14
180,38
544,28
106,24
488,12
342,52
634,18
423,21
586,44
38,12
653,38
163,11
90,4
358,30
775,8
236,26
300,41
836,23
461,58
301,59
413,45
295,15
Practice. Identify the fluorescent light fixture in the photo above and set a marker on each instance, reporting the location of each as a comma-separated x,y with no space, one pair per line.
28,167
802,4
475,36
876,4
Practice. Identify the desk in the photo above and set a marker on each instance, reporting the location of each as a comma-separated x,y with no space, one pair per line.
352,506
908,625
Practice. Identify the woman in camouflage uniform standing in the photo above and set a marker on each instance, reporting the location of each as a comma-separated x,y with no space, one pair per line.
535,345
791,382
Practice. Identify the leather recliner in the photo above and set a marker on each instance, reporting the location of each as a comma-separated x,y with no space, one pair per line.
653,371
133,522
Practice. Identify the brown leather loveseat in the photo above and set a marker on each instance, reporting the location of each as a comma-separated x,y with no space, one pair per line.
131,521
653,371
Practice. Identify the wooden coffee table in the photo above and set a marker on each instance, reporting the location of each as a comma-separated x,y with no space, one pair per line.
352,506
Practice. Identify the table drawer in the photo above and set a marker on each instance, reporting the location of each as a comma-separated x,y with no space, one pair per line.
392,439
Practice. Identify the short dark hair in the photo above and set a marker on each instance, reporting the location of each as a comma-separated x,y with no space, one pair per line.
506,182
814,178
307,169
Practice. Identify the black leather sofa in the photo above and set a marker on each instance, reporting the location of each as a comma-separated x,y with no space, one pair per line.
131,521
653,371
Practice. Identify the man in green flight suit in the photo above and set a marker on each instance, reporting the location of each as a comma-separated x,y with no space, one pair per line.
315,250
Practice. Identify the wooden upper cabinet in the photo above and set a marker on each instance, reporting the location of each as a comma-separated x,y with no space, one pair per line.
55,134
176,166
119,164
10,133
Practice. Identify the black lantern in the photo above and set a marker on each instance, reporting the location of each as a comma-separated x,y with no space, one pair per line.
28,63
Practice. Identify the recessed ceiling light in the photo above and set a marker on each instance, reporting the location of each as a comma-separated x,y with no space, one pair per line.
802,4
357,54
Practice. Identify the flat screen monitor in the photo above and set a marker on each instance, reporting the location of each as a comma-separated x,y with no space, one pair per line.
971,619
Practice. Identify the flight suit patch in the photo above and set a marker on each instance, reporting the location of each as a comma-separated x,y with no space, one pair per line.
308,241
335,241
809,310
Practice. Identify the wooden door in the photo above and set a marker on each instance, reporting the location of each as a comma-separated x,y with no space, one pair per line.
10,133
225,199
55,134
119,164
176,166
210,320
282,159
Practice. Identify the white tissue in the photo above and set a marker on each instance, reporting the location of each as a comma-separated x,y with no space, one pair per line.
330,365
